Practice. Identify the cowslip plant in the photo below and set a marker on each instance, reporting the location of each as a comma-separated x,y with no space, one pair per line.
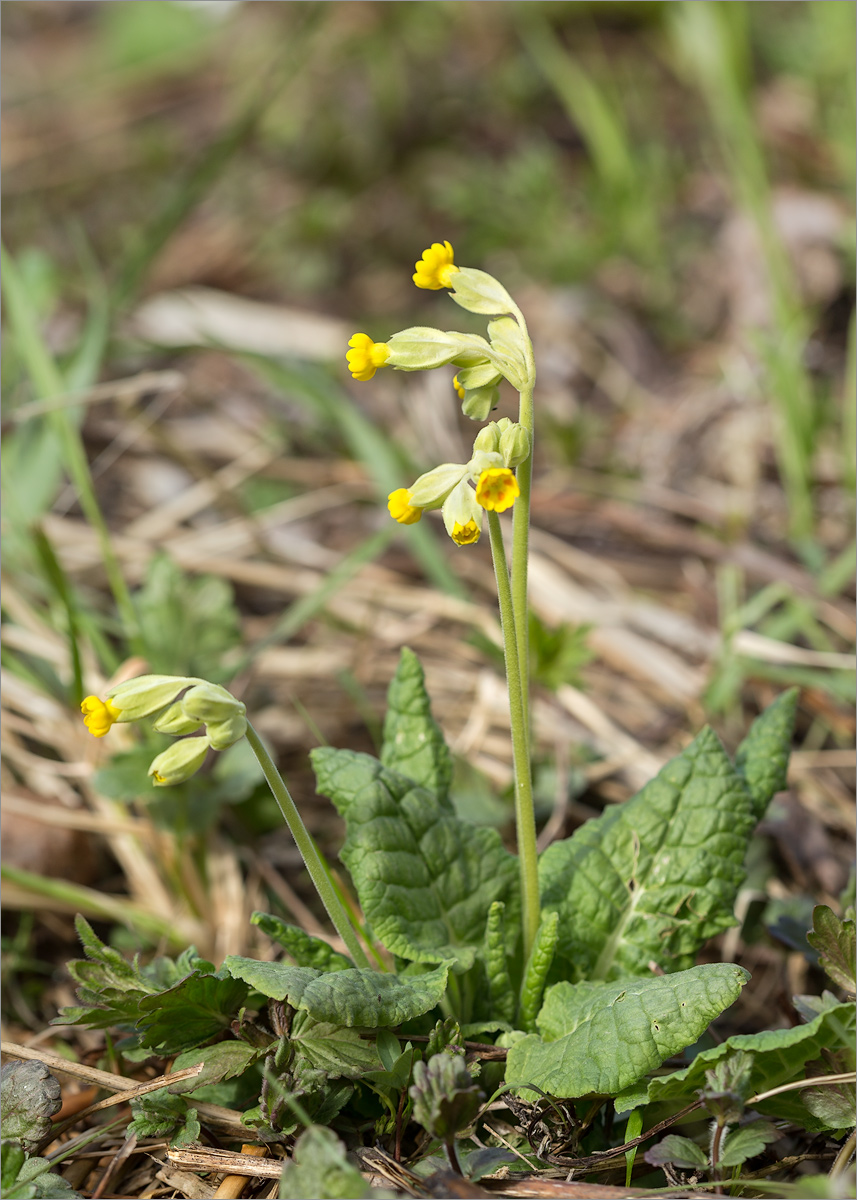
580,966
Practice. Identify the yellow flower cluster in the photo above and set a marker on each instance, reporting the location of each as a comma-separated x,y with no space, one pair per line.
184,705
463,492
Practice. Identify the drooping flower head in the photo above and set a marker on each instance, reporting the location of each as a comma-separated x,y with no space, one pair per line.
497,489
436,267
99,716
366,356
401,509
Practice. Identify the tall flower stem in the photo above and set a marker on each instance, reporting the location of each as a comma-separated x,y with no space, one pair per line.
525,820
309,851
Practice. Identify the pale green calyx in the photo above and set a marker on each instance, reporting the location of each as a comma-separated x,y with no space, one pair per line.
488,438
483,460
222,734
176,722
147,694
514,445
210,702
479,402
479,292
509,346
431,489
179,761
420,348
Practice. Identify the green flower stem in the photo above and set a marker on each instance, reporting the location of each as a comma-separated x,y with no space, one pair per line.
521,523
525,819
313,861
521,555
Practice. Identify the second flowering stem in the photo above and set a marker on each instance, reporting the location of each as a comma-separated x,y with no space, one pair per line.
309,851
525,819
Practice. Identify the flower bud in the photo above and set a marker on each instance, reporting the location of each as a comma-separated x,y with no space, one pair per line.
222,734
147,694
179,761
431,489
488,438
175,721
479,402
514,445
210,702
480,292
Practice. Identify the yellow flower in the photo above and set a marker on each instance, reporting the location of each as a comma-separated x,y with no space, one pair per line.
497,489
459,389
436,268
401,509
366,356
465,535
99,715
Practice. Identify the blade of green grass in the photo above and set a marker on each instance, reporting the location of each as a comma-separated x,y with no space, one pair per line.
58,581
49,382
75,898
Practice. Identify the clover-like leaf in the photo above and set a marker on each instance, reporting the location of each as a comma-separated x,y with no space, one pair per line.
424,877
358,997
598,1038
414,745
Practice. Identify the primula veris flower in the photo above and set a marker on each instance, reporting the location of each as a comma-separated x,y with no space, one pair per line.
465,535
459,389
366,356
401,509
435,269
147,694
99,716
497,489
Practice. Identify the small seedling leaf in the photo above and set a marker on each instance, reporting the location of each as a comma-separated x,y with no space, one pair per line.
834,939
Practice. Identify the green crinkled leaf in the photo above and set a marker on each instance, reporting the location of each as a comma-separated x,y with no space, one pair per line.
192,1012
500,991
779,1055
652,879
834,939
414,745
747,1142
224,1060
306,950
424,877
536,972
334,1049
359,997
762,759
161,1115
598,1038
